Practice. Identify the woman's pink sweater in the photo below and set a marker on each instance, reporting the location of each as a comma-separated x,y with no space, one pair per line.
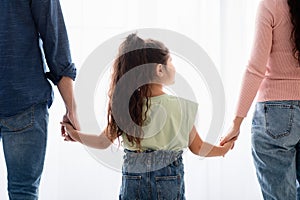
272,71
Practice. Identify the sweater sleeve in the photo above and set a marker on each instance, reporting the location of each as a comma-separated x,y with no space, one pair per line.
255,71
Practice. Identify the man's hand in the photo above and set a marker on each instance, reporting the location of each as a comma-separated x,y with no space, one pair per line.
70,118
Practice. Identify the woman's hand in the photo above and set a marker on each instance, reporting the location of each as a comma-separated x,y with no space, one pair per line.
227,146
233,132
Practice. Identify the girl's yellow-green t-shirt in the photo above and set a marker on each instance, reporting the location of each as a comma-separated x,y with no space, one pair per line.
168,124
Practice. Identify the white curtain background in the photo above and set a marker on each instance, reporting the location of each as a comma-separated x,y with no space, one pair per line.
224,28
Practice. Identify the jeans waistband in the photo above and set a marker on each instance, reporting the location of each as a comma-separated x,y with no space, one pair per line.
150,160
280,102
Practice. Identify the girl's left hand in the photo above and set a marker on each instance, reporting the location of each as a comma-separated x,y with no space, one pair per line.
231,136
233,132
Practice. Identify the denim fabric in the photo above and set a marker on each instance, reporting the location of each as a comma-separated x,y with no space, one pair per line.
153,175
32,36
276,148
24,139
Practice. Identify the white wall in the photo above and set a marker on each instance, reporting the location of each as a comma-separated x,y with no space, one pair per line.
223,28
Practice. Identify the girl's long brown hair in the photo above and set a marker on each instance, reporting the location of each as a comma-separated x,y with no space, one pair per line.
133,53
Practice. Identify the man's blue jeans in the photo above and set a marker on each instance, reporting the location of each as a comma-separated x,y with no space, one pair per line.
24,138
276,148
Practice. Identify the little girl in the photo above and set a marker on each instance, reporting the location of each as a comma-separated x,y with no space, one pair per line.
156,129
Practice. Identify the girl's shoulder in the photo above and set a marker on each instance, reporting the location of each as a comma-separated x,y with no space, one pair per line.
174,101
169,97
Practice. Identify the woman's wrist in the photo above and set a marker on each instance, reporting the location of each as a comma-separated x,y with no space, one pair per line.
237,121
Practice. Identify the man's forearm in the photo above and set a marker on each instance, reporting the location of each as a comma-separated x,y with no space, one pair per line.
65,87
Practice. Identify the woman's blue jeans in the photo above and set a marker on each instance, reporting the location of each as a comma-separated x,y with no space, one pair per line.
24,139
153,175
276,148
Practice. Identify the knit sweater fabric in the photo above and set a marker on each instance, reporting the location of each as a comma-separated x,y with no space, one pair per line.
272,72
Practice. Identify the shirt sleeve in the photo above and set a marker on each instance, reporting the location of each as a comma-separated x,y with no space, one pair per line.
255,71
190,110
48,18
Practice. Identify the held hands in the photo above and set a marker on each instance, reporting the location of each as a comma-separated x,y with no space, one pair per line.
70,133
233,132
231,136
69,125
227,146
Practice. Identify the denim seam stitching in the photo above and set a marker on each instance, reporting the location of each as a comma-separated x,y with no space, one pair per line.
23,128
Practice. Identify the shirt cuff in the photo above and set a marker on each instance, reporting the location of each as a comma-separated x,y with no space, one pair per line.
69,71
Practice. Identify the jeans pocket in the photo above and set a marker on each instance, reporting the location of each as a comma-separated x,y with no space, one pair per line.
130,189
19,122
168,187
279,120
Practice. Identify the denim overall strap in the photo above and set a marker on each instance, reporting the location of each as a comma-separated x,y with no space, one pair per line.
149,160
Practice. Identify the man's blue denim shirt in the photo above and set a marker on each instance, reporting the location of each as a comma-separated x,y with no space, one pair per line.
34,47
